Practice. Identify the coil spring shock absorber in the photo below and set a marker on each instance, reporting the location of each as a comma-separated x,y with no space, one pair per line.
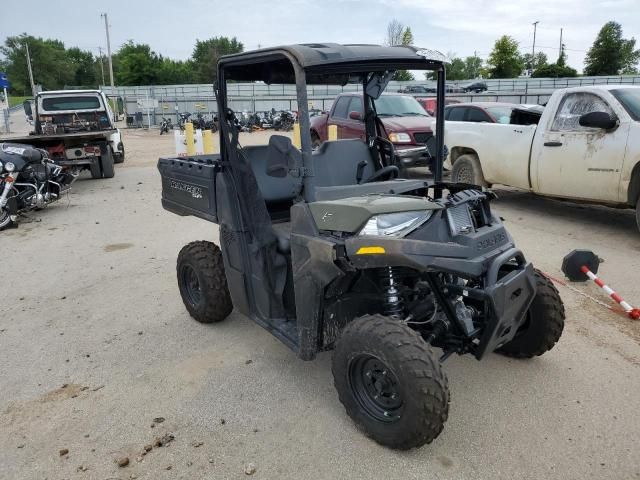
393,302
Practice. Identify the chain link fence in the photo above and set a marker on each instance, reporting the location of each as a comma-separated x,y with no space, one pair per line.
155,102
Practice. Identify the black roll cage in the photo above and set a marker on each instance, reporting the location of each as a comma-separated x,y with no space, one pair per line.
296,65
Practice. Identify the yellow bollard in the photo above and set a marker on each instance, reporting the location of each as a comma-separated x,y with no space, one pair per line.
296,136
207,141
188,136
333,132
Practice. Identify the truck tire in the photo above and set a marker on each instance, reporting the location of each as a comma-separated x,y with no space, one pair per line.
315,141
106,163
638,213
120,157
202,282
96,171
544,324
467,169
390,382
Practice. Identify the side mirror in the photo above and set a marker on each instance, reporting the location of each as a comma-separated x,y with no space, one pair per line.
27,108
598,120
355,115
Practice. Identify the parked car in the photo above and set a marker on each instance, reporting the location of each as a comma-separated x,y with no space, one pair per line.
429,104
417,89
586,146
453,88
476,86
407,124
489,112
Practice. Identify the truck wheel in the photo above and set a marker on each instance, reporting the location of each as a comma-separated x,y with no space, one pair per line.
96,171
544,323
467,169
202,282
638,213
390,382
120,157
106,163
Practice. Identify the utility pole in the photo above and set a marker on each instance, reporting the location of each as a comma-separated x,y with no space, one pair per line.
33,86
561,46
106,27
533,50
101,64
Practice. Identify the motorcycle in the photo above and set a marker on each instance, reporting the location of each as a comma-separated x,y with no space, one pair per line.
29,180
182,121
165,125
284,121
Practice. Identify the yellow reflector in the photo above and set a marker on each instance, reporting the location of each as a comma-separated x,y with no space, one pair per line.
370,250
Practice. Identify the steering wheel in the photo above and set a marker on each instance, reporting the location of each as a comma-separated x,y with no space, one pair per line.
390,170
388,149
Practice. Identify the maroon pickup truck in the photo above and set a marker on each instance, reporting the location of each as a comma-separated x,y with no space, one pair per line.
407,124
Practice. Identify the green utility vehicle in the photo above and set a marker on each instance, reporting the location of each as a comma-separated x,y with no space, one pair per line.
328,249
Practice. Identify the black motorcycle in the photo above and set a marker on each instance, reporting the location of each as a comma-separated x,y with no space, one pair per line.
183,119
165,125
29,180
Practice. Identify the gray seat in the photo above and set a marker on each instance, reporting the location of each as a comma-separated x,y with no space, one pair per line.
273,189
342,162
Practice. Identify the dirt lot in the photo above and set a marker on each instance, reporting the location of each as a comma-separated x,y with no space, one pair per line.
95,344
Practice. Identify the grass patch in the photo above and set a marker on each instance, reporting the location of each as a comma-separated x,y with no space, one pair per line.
13,101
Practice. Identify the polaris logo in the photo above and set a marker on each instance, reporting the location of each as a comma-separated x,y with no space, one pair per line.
491,241
195,191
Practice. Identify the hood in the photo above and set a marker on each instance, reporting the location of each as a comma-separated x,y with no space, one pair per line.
409,123
350,214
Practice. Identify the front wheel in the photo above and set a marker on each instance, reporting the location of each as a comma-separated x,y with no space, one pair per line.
390,382
543,326
202,282
467,169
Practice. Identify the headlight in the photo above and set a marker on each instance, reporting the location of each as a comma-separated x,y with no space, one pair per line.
9,167
399,138
395,224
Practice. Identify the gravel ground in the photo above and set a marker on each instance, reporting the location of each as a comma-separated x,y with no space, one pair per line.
95,344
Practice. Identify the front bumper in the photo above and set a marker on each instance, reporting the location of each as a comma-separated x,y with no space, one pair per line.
413,156
509,281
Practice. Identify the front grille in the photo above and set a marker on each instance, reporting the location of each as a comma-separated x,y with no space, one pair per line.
422,137
460,220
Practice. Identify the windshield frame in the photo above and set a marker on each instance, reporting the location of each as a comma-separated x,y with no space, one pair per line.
619,93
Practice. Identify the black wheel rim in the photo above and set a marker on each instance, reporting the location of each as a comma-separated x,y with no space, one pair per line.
191,285
375,388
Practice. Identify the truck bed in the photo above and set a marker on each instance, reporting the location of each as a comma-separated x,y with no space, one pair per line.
32,139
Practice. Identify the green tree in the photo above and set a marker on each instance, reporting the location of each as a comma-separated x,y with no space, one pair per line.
554,70
531,62
206,54
136,64
172,72
505,60
51,67
84,68
472,66
398,34
456,68
611,54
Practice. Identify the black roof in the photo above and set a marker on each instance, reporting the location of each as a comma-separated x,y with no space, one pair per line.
324,62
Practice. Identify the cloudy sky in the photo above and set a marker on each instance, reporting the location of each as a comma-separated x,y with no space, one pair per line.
459,26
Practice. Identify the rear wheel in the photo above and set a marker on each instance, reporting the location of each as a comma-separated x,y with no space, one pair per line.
467,169
315,141
202,282
94,168
390,382
106,163
544,323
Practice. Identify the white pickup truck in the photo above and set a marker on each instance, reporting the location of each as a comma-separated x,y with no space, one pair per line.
585,146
